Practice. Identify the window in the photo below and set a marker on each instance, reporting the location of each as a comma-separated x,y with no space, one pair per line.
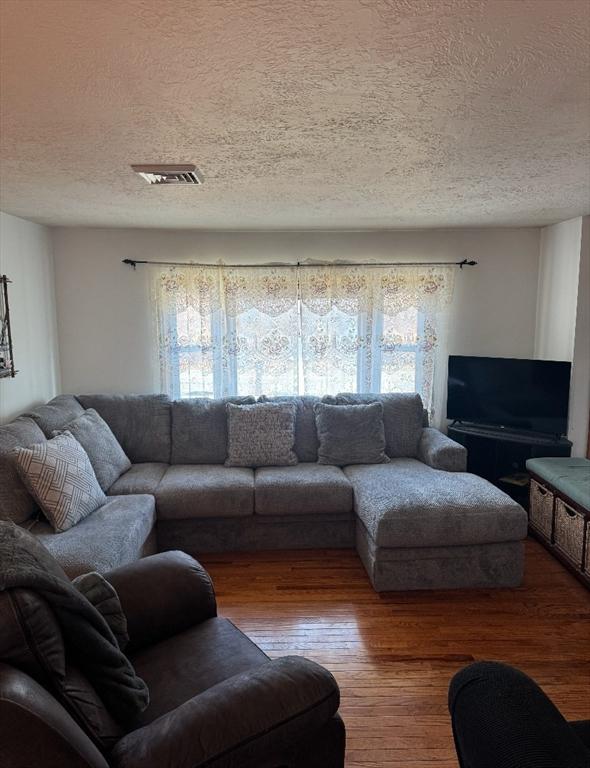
299,330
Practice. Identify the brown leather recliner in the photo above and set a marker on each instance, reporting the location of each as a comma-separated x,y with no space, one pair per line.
216,699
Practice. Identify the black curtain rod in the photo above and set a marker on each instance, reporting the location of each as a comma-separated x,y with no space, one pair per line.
465,263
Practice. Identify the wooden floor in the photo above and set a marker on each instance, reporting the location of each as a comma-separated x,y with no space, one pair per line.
394,654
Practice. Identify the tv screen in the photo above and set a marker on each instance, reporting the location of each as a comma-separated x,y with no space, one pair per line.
522,395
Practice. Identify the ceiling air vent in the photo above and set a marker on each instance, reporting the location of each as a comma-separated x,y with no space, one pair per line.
169,174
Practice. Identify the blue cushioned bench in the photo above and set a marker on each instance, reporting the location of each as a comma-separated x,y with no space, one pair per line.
559,511
569,475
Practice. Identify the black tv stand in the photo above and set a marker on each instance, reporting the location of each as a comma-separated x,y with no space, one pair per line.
500,455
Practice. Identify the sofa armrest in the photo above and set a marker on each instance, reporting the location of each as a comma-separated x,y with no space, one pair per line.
162,595
36,730
253,719
440,452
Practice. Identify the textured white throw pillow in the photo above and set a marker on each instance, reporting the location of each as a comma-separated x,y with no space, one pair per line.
261,435
59,475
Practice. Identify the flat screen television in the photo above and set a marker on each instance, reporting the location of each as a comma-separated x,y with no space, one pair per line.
520,395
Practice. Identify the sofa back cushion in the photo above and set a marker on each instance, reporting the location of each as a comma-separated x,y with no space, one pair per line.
403,416
199,429
306,436
141,423
56,413
108,459
16,503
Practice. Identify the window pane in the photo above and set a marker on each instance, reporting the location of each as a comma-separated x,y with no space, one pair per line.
399,350
330,345
195,376
288,331
398,372
192,353
266,353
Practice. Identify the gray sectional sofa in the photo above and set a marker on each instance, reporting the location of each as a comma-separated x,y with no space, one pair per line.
418,522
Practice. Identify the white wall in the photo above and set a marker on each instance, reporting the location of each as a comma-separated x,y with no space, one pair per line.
579,411
559,262
26,258
104,315
563,315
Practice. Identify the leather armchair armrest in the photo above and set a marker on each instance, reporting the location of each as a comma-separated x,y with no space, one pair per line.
254,720
36,730
440,452
163,595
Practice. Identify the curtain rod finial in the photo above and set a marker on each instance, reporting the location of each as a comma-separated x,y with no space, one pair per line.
130,263
466,263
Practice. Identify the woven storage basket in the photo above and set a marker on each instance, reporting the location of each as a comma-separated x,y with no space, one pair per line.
569,531
541,509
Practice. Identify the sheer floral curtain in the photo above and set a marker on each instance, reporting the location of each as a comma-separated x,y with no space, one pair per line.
336,328
260,349
375,329
223,331
414,303
307,330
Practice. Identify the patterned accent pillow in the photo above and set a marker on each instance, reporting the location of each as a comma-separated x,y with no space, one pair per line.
60,477
261,435
350,434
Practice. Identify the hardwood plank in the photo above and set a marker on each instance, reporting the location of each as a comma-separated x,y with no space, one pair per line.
394,654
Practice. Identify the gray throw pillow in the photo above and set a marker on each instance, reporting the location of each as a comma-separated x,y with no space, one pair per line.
350,434
403,418
109,461
261,435
59,475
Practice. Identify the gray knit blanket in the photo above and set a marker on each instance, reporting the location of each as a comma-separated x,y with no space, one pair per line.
88,639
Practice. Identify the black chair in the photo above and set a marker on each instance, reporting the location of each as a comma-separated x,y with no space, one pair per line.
502,719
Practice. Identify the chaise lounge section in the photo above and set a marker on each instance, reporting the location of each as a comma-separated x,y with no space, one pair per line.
442,530
418,522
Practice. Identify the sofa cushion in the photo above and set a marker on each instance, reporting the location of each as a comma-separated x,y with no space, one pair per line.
205,490
350,434
140,478
261,435
56,413
408,504
403,417
107,457
59,475
303,489
199,429
114,535
306,436
16,503
141,423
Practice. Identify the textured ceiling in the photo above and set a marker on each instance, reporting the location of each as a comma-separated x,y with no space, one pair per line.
300,113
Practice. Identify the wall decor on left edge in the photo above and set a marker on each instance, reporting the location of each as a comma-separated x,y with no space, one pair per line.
7,368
